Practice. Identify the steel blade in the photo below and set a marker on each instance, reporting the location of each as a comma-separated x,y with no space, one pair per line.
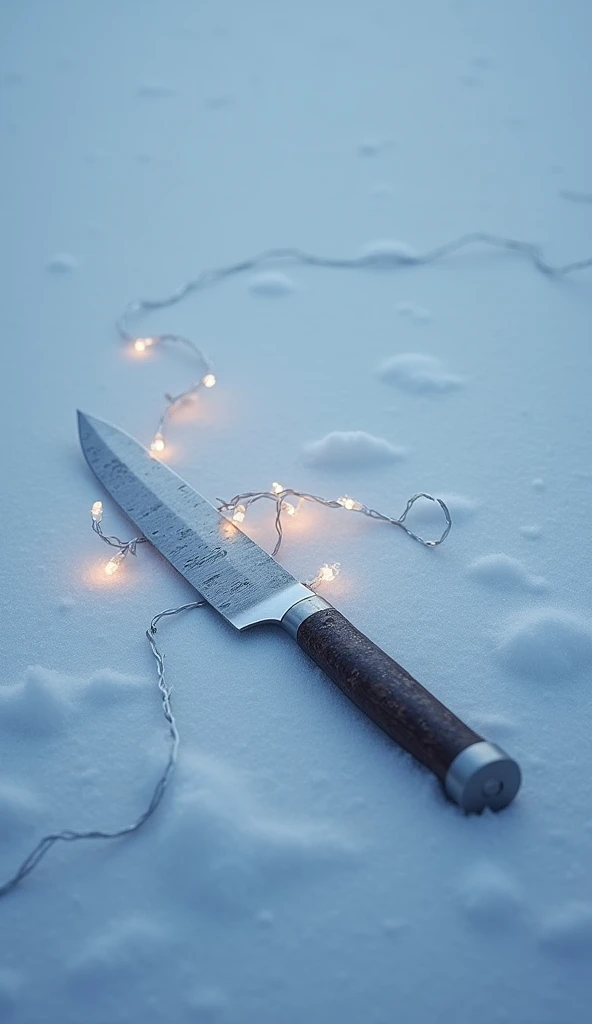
237,577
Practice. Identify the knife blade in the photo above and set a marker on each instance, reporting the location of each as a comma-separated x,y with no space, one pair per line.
249,587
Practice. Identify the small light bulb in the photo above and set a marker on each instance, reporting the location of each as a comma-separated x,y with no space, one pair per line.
209,380
97,511
112,565
349,503
141,344
158,443
289,508
239,514
327,573
277,488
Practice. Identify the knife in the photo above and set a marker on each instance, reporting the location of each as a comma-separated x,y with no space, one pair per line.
247,586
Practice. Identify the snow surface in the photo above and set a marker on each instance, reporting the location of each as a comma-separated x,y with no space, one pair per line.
301,869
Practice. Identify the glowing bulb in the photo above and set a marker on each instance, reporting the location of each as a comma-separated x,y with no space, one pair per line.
112,565
349,503
327,573
141,344
158,443
239,514
97,511
277,488
289,508
209,380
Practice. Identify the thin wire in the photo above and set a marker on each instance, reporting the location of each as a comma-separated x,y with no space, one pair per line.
73,835
251,497
383,257
392,258
124,547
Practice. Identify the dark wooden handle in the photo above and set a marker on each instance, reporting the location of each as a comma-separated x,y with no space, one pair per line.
384,691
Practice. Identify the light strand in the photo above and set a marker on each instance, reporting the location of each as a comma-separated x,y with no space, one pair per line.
388,256
238,506
73,835
124,548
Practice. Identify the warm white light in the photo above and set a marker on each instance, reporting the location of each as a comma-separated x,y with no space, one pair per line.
112,565
349,503
277,488
97,511
141,344
289,508
327,573
209,380
239,514
158,443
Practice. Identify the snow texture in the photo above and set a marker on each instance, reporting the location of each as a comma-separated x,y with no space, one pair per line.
420,374
547,644
353,449
503,571
271,285
301,869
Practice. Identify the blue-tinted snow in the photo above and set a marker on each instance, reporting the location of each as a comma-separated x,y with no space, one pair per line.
301,869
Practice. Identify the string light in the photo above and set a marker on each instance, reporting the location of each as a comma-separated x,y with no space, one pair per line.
325,574
112,565
242,502
141,344
388,257
393,258
350,503
158,443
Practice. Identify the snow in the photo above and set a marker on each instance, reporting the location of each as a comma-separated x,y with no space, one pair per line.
300,868
352,449
422,374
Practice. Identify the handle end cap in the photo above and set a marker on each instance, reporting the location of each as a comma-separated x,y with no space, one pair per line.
481,776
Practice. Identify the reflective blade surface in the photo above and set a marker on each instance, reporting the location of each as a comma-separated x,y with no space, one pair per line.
237,577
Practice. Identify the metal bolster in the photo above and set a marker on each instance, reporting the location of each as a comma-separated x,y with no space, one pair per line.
481,776
300,611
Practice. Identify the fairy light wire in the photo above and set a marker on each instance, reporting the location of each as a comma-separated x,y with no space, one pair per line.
74,835
239,505
388,258
382,257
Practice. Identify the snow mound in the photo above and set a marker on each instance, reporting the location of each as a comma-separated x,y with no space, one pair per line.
351,448
531,532
10,983
549,644
500,570
271,285
208,1003
429,513
107,686
383,255
489,896
61,263
413,312
36,706
125,954
419,373
154,90
19,810
568,930
221,847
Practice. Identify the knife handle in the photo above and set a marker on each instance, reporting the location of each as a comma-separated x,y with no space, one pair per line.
476,774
